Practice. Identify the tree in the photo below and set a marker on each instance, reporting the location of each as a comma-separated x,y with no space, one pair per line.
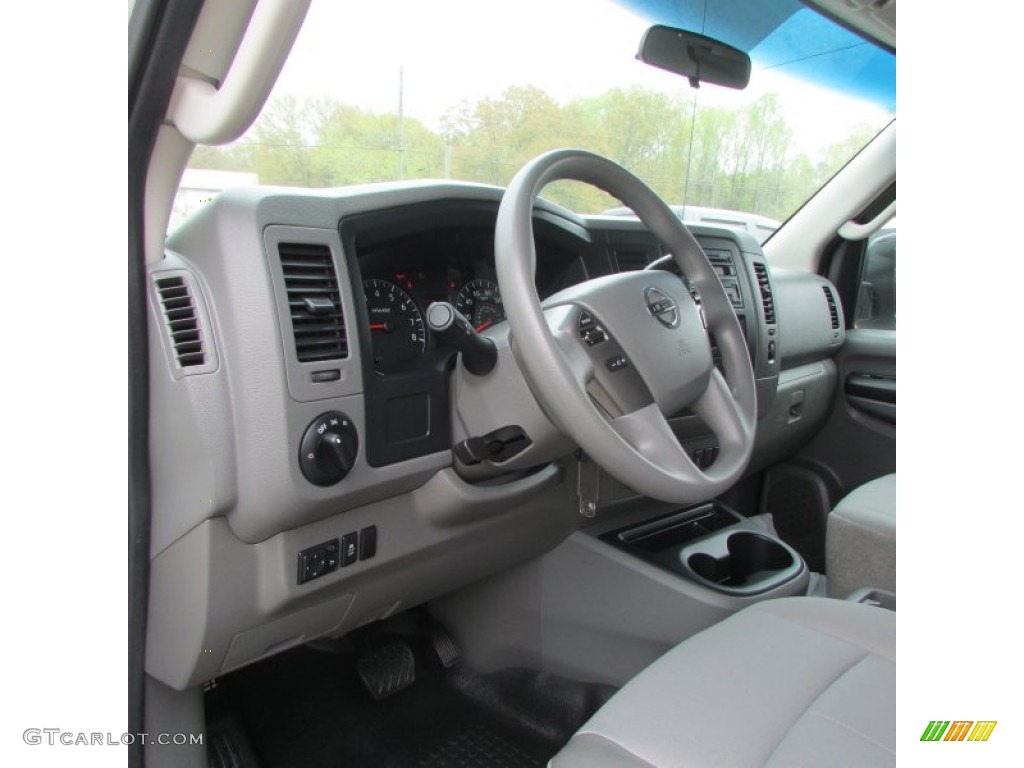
718,157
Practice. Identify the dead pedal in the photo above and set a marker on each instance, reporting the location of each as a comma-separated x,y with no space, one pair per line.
388,670
443,644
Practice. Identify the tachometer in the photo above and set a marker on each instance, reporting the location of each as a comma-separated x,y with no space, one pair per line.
396,325
480,302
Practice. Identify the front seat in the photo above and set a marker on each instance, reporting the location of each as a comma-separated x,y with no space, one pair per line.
860,540
790,682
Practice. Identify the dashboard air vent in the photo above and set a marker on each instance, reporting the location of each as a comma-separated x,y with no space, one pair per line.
314,301
722,262
182,320
761,270
832,310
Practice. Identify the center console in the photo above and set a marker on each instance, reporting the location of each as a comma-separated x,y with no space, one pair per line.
715,547
621,591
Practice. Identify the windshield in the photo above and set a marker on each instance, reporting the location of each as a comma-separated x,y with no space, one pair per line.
471,91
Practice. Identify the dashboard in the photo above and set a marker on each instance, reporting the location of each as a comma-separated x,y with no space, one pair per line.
406,257
280,318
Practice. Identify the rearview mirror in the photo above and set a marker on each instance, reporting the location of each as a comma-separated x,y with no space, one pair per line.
700,59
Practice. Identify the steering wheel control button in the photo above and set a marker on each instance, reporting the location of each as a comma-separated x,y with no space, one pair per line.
590,332
329,449
318,561
349,548
368,542
616,363
661,307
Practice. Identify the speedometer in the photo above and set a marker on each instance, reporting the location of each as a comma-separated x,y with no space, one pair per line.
396,325
480,302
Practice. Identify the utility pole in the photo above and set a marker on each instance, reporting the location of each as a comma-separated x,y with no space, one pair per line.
401,122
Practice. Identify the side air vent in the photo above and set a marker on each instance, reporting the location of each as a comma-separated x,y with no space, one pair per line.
832,310
761,270
314,302
182,320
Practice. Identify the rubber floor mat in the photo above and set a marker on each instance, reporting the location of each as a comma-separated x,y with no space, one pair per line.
308,708
480,747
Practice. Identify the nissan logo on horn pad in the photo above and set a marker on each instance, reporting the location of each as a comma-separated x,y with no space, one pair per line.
661,307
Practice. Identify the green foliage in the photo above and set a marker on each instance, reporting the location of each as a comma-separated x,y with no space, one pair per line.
720,158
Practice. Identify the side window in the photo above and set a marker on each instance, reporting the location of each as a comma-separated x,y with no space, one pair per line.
876,297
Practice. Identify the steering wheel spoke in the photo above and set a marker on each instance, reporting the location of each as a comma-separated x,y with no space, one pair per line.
561,321
597,361
718,408
648,432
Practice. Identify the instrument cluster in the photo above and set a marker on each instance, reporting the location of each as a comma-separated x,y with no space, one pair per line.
395,306
405,266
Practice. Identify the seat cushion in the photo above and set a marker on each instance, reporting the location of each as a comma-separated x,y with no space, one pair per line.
790,682
860,543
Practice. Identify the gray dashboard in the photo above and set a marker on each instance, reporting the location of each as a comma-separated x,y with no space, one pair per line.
247,353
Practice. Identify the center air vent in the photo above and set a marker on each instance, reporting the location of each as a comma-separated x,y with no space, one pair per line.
314,302
182,320
832,309
761,270
722,262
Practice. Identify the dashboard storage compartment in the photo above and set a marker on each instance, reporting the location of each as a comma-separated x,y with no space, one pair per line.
715,547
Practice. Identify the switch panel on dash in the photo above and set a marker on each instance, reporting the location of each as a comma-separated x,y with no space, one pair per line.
328,557
316,561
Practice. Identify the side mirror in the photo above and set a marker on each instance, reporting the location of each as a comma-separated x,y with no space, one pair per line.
696,57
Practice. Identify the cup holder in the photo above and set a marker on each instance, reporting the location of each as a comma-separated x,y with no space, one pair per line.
749,558
714,547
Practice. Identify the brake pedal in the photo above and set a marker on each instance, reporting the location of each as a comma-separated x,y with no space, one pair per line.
387,670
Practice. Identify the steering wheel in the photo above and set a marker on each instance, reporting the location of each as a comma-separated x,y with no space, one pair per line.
608,360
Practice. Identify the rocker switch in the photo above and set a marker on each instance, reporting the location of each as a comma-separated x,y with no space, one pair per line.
349,548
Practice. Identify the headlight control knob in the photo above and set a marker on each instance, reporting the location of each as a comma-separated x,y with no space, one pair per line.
329,448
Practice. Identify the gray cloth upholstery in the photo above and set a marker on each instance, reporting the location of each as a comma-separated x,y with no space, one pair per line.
790,682
860,542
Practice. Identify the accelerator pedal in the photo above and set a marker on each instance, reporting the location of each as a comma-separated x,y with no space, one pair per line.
443,644
227,745
387,670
